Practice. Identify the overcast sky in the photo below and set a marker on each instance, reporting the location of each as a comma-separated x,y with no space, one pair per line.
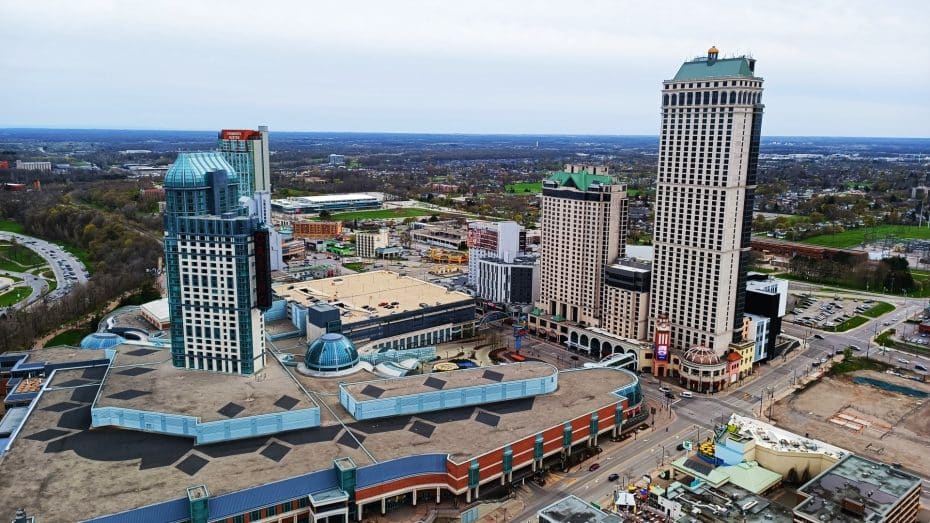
835,68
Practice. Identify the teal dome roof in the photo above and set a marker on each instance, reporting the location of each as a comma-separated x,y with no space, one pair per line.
190,170
101,340
331,352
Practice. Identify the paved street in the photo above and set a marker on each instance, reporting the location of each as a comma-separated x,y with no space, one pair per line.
694,418
66,267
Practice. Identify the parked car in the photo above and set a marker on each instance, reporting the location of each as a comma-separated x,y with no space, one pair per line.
594,467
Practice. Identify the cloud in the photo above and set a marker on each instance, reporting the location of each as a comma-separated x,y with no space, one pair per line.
477,66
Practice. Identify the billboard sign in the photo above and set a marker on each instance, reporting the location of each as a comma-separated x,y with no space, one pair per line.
661,345
661,352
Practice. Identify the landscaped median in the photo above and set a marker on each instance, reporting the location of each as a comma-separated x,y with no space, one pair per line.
851,323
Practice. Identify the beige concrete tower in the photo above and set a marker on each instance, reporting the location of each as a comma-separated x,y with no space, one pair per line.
584,225
708,150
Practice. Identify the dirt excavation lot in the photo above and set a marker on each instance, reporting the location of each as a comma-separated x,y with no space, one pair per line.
887,426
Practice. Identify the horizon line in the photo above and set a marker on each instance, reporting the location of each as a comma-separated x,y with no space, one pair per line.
452,133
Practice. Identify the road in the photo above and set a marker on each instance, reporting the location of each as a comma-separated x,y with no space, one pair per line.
694,418
67,268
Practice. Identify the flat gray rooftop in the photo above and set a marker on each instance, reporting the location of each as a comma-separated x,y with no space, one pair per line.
572,509
58,464
63,354
453,380
352,292
143,378
876,486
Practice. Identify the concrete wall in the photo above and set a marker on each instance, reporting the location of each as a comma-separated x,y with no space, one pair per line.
208,432
445,399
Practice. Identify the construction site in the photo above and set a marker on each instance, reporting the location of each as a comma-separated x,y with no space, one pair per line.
877,415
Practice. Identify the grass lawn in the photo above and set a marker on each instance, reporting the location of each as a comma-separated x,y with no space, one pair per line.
524,187
356,266
851,323
16,295
52,284
922,292
878,309
69,337
381,214
11,226
21,256
854,237
854,363
763,270
884,339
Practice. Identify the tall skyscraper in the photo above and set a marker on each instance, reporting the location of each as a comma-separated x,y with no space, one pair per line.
247,152
584,225
216,258
708,151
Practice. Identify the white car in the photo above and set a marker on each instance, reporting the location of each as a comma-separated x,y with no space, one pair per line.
904,361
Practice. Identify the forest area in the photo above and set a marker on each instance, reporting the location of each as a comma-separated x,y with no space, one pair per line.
93,220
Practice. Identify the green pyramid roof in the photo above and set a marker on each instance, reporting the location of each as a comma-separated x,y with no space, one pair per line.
580,181
723,68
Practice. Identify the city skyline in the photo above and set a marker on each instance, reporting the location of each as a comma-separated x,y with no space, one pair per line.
475,69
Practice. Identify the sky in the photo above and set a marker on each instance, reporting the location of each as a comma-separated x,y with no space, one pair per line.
831,68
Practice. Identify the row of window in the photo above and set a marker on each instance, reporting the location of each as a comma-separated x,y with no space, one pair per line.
712,98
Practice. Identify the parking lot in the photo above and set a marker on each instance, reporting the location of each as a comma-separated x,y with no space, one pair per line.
824,313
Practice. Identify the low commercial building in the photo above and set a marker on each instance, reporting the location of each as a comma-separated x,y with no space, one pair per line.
33,166
327,202
572,509
381,304
443,235
293,249
311,230
156,313
367,244
860,489
626,298
511,282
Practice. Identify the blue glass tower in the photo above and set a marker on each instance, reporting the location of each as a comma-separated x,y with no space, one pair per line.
216,257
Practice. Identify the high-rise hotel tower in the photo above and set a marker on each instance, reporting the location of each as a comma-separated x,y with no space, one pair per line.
584,225
709,148
217,266
247,152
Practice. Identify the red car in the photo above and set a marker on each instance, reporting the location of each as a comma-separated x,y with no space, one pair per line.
594,467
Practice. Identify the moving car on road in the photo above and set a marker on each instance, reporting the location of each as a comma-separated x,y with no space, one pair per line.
613,477
594,467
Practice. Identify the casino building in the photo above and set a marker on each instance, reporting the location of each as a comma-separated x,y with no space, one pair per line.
118,434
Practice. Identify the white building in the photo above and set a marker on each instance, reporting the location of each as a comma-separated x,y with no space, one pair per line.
33,166
708,150
504,240
367,243
512,282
